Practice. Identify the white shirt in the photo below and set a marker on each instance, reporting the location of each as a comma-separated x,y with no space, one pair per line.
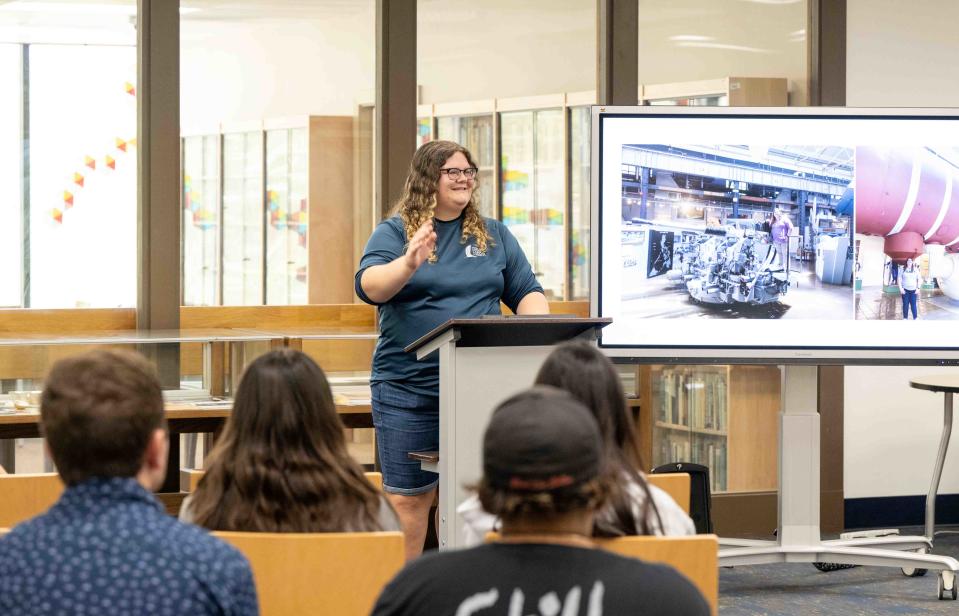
909,280
675,521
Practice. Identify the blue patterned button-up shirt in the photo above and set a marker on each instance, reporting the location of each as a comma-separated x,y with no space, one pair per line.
108,547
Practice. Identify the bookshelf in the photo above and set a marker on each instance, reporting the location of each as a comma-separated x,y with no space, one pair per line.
723,417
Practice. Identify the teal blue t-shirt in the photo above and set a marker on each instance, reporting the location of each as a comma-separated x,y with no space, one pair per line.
463,283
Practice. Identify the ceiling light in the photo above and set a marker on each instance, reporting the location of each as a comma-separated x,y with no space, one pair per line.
83,8
691,37
723,46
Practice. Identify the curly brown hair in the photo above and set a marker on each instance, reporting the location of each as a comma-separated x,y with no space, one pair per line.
418,203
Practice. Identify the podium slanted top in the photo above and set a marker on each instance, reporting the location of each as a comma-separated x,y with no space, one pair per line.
511,330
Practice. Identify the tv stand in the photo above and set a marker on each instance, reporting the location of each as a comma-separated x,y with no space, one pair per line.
799,539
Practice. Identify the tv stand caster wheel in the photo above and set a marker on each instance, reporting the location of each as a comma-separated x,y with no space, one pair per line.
827,567
947,585
915,571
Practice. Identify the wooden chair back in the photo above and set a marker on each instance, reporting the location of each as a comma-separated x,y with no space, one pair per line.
319,573
695,556
27,495
190,479
674,484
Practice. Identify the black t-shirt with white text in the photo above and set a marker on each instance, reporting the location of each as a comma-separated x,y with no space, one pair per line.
515,579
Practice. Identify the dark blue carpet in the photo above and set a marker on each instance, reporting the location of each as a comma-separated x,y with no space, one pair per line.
802,589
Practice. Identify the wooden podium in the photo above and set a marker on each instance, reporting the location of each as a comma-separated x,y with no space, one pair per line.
482,362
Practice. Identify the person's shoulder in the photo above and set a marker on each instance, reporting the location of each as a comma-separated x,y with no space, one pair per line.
21,535
444,565
494,226
393,224
647,579
499,231
191,541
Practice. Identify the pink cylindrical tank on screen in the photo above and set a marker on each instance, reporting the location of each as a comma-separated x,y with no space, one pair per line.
910,196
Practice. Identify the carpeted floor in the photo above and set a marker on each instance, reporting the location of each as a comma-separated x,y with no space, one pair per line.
789,589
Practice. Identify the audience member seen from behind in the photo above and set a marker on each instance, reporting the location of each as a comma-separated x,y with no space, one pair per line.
108,546
282,464
634,507
543,477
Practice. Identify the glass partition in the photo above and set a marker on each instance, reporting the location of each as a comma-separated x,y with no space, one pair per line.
287,161
83,173
475,133
579,186
11,161
424,131
201,219
296,71
243,218
533,191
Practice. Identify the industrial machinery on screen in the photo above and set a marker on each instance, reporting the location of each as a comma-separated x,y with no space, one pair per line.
729,266
736,231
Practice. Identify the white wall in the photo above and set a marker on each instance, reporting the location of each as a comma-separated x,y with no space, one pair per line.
899,53
872,259
250,64
892,433
902,53
503,48
250,69
685,40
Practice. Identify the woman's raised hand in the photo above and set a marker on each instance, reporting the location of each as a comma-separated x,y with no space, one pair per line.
421,245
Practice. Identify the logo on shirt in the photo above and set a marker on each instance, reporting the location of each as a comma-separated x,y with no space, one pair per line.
549,604
474,251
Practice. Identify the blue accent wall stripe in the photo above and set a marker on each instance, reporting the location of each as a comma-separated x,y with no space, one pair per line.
893,511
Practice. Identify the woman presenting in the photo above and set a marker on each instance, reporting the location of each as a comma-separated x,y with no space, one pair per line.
435,259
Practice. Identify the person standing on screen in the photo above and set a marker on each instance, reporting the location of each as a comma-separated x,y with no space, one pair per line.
780,230
435,259
909,281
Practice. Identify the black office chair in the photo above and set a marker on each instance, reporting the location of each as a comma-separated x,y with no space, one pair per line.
700,498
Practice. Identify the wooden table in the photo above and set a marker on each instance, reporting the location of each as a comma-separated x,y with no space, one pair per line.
182,418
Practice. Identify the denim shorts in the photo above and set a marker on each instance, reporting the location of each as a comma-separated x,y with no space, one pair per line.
405,422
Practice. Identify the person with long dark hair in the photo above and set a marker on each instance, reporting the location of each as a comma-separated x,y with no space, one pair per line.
634,507
435,259
282,463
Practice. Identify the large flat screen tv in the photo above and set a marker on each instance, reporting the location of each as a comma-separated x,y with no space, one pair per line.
776,234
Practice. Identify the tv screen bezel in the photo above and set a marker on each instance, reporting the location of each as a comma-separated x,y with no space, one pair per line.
748,354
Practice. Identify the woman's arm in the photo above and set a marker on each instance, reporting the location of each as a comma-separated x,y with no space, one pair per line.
533,303
382,282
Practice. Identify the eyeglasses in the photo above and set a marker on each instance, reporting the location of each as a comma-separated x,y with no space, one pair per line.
454,174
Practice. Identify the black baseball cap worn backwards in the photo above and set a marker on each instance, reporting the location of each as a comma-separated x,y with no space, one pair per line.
541,440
